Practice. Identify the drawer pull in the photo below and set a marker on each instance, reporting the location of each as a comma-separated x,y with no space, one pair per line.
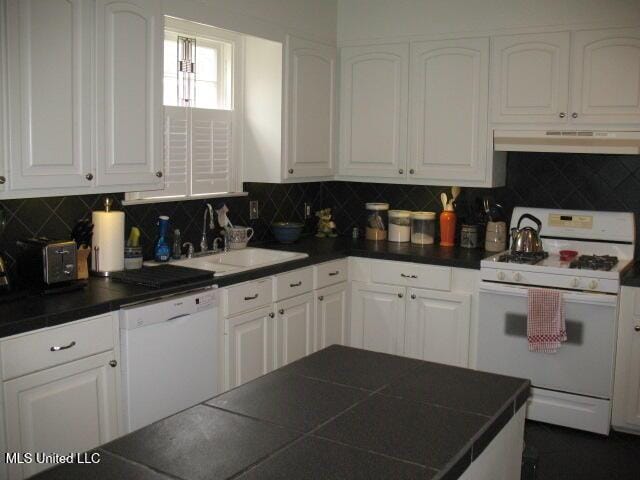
333,274
321,298
281,311
63,347
408,276
252,297
295,284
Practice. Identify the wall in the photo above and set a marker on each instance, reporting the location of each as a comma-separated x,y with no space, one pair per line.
368,19
54,217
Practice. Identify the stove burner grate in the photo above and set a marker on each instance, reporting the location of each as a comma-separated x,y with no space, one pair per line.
529,258
594,262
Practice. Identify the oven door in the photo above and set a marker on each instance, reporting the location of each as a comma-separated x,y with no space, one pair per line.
582,365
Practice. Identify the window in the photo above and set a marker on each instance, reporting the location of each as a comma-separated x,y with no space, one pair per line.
201,112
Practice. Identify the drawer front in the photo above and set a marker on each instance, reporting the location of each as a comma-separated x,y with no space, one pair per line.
433,277
330,273
293,283
248,296
55,346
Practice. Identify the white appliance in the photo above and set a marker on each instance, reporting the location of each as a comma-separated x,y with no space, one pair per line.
168,356
568,141
572,387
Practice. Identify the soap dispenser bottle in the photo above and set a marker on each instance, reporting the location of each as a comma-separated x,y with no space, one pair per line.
162,249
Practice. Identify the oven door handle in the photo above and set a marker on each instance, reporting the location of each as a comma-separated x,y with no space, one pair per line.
568,296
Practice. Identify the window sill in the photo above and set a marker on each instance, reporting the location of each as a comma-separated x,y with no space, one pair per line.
142,201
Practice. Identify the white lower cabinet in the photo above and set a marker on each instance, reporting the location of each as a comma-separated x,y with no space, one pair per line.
437,326
68,408
294,328
331,316
626,391
377,317
249,346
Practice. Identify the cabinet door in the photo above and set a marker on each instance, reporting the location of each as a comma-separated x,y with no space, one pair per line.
438,326
331,316
530,77
70,408
3,106
49,84
449,99
606,76
249,346
310,70
294,328
373,118
129,93
377,317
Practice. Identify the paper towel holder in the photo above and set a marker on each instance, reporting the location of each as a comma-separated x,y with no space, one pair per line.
95,271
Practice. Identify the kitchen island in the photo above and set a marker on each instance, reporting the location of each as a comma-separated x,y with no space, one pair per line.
338,413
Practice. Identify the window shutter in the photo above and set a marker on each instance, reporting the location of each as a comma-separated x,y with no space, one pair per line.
176,150
211,151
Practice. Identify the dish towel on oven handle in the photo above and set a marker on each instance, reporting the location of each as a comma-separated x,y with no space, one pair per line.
546,327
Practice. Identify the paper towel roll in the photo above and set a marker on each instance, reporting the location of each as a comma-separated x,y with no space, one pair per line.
107,254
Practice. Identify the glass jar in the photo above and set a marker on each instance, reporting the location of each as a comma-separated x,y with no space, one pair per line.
399,226
377,218
423,227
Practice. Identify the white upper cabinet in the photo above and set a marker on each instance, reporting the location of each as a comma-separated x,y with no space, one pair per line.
373,117
49,77
530,78
129,93
606,76
310,104
449,98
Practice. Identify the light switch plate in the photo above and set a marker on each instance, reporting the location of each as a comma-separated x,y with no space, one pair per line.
254,212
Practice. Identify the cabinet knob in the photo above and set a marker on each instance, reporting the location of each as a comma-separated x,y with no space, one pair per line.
281,311
321,298
159,174
413,296
412,171
271,314
637,328
89,176
400,171
562,114
291,170
3,180
113,363
574,115
400,295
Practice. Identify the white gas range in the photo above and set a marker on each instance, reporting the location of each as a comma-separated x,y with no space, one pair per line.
572,387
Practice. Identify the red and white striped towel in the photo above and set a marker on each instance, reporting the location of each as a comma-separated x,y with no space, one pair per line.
546,328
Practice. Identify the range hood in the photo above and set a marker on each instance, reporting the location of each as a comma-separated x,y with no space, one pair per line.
567,141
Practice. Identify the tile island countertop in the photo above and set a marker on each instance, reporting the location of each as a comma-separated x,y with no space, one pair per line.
338,413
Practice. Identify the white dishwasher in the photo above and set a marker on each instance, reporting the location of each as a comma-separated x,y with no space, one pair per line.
169,356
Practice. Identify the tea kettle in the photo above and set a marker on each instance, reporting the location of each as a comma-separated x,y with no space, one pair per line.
526,239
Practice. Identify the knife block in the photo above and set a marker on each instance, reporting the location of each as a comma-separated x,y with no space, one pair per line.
82,267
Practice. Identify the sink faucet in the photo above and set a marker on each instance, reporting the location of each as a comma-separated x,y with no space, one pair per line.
216,242
204,247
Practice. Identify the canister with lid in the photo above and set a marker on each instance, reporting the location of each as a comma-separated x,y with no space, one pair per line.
399,225
423,227
377,218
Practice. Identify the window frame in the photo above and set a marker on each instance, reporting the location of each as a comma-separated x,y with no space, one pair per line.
236,107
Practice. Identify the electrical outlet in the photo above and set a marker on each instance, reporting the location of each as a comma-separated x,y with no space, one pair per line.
307,210
254,213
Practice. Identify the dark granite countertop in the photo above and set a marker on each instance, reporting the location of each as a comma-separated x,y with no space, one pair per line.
104,295
631,278
338,413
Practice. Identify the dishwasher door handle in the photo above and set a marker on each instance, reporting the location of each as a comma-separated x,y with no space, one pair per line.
177,317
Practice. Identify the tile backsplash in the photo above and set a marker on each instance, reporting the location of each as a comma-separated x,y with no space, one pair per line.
591,182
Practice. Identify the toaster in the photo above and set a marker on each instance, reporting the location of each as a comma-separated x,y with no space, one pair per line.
46,264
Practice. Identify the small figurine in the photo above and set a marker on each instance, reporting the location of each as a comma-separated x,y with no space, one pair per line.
326,226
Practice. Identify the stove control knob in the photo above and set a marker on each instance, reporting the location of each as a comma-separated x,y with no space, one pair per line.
501,275
517,277
575,282
593,284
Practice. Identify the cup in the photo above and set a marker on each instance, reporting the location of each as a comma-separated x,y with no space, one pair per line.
495,239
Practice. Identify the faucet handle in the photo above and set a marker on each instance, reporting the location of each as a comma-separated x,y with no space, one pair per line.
189,250
216,247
